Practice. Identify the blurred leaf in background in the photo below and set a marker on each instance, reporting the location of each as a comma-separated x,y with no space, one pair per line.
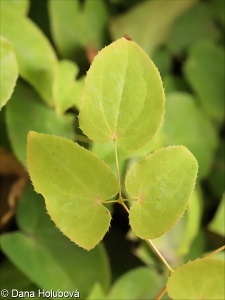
185,33
217,175
149,23
185,124
76,26
35,55
14,279
27,112
20,6
66,90
217,224
8,69
56,262
205,75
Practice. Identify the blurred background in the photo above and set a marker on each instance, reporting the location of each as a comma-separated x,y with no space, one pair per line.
55,42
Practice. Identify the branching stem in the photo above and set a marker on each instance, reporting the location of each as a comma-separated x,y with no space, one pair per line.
215,252
161,293
129,199
160,256
126,208
118,170
109,201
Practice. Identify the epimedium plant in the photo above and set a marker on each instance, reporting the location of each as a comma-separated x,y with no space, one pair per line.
115,106
122,103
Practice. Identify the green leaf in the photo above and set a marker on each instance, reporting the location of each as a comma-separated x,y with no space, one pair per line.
106,152
25,111
179,239
199,279
140,283
220,255
122,88
12,278
205,73
96,293
162,60
192,223
185,33
4,140
216,179
73,182
19,6
217,7
8,69
217,224
148,23
162,184
74,28
185,124
34,53
65,88
173,83
47,257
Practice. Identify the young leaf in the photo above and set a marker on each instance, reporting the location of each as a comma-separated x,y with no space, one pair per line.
65,88
162,184
73,182
8,69
35,55
123,97
199,279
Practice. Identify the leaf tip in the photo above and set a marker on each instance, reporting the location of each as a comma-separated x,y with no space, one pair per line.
127,37
31,134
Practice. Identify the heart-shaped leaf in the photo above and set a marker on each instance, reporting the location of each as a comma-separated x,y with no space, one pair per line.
122,88
162,183
73,183
199,279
